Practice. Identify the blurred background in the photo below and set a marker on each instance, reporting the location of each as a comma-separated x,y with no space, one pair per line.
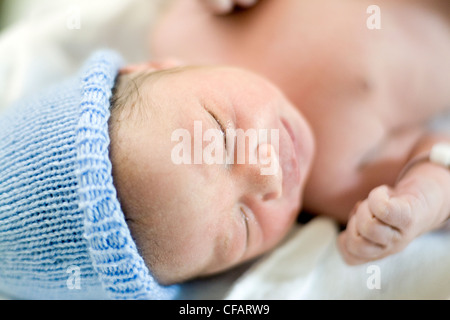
2,10
8,13
12,11
44,41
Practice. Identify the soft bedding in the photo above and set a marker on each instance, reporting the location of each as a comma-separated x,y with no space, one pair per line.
37,51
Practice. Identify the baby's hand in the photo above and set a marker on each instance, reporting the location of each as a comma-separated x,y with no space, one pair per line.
226,6
387,221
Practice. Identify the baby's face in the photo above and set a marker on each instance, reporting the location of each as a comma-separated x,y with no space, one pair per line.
192,218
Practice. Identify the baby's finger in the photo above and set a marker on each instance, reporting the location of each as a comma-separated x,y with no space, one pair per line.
349,258
393,211
359,248
355,210
372,229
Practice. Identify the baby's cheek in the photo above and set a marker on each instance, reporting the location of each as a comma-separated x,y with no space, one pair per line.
277,221
179,256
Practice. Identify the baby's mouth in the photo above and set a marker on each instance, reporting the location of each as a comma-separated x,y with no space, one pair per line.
289,158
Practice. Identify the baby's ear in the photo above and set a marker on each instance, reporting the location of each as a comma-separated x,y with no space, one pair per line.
152,66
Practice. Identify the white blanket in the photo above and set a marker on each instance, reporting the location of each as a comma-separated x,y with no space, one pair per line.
38,51
54,37
309,266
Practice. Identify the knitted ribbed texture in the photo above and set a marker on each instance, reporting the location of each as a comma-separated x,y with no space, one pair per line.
62,232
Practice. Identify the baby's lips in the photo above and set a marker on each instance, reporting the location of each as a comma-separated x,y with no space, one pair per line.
271,168
294,163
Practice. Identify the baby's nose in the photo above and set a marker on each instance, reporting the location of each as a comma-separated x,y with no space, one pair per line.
267,181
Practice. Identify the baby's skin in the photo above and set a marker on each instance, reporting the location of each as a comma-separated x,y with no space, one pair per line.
367,93
358,101
391,217
199,218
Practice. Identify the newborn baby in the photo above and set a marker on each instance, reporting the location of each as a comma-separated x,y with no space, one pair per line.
93,204
198,219
109,201
193,220
368,95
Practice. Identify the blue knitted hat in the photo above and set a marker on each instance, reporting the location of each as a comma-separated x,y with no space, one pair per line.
62,232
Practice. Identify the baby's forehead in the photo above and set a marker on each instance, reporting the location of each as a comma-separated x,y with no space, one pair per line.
134,95
131,84
138,89
128,92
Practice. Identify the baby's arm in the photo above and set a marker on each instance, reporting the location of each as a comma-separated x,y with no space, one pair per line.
390,218
226,6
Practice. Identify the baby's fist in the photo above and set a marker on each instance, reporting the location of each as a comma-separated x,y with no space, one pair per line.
226,6
379,226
